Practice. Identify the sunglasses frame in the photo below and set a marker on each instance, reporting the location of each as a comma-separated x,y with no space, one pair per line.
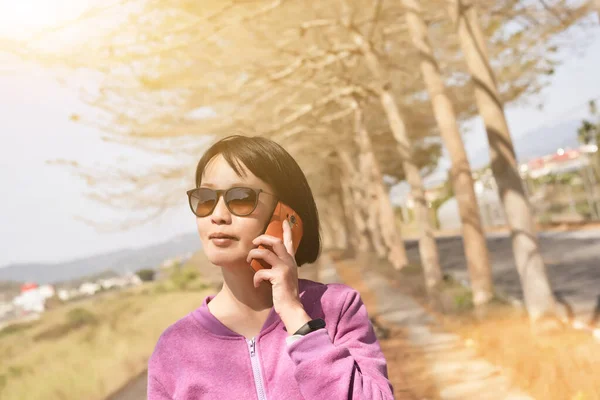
222,193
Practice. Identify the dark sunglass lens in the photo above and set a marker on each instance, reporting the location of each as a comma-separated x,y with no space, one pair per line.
203,201
241,201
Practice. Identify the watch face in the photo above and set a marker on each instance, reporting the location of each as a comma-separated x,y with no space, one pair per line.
317,323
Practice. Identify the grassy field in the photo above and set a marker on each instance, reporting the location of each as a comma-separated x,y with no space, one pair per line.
88,349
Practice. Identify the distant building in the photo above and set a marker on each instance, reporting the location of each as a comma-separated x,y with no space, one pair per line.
33,297
486,189
64,294
47,290
28,286
564,160
135,280
89,288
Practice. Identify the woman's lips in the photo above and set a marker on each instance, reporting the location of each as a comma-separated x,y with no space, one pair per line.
221,236
222,240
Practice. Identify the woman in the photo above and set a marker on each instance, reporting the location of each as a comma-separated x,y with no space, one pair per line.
265,334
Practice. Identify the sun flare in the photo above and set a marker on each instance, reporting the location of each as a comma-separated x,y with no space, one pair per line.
21,19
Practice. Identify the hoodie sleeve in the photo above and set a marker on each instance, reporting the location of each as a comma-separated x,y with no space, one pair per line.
157,373
156,390
349,365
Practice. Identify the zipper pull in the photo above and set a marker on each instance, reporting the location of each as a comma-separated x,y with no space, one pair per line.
252,347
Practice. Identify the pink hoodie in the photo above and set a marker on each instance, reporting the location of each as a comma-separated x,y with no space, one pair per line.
200,358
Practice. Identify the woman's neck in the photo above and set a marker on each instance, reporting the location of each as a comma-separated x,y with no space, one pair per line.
239,293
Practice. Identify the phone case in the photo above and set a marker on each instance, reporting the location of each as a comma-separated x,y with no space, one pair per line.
275,228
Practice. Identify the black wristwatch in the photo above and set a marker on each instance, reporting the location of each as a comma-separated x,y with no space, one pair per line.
311,326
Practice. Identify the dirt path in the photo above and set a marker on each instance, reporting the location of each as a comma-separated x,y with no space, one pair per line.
424,361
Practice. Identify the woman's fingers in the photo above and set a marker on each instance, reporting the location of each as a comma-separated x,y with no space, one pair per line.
287,238
267,275
265,255
284,248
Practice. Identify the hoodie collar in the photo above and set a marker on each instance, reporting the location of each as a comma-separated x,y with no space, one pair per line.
211,323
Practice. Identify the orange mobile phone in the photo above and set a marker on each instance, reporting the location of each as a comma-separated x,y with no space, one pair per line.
275,228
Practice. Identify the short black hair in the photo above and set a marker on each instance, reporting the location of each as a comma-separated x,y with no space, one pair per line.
270,162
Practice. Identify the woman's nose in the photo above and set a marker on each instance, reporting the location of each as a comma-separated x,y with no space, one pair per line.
221,214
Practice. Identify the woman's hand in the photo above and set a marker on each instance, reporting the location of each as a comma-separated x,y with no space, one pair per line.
283,276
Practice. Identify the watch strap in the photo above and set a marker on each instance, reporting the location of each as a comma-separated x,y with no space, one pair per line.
311,326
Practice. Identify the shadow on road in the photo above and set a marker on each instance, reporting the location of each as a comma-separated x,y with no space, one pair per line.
571,262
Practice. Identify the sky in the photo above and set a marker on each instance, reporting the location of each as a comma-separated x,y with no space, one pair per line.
40,202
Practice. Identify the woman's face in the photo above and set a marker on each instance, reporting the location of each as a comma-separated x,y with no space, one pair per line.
232,251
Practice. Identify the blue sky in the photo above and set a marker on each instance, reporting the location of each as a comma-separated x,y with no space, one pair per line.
39,202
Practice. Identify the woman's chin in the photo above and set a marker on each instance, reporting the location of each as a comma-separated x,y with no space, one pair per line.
226,259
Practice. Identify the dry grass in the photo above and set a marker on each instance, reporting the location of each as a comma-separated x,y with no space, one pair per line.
88,354
560,366
564,365
407,368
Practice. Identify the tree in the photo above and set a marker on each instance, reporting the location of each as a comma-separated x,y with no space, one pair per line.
589,131
538,295
475,245
427,244
146,275
283,73
589,134
373,181
284,70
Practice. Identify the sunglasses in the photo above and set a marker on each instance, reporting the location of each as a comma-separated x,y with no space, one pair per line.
240,201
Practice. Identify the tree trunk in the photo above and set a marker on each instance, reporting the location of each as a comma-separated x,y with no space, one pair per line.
373,225
334,227
386,225
475,245
347,210
427,244
539,299
326,237
354,203
356,239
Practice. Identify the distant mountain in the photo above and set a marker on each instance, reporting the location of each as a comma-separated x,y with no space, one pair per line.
75,283
120,261
536,143
543,141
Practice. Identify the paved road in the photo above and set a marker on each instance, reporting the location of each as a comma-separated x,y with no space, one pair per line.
134,390
572,260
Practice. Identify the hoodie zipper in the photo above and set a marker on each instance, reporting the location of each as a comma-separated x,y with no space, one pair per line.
258,382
